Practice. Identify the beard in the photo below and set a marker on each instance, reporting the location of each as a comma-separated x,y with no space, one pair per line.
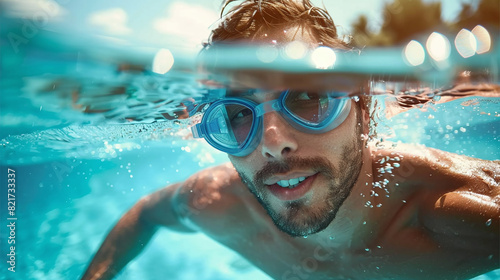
297,218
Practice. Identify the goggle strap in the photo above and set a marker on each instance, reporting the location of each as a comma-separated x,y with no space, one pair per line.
196,130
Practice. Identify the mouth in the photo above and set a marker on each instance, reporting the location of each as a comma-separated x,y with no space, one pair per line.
292,189
292,183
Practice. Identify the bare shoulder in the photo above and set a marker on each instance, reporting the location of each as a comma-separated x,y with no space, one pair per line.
214,199
213,189
437,169
457,195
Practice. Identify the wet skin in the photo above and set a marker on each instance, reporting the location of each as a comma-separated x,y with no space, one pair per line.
428,215
436,217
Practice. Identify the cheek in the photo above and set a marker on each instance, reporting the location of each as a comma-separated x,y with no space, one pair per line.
336,141
243,165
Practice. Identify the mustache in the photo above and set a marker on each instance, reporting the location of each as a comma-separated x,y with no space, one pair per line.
317,164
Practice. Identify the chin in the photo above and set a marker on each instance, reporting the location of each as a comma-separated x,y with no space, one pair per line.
297,219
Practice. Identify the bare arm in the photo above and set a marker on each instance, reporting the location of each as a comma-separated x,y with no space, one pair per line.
134,230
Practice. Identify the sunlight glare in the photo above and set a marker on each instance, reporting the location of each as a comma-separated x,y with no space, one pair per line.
163,61
414,53
483,39
438,46
466,44
323,58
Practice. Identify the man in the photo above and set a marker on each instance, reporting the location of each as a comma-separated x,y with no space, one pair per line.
301,167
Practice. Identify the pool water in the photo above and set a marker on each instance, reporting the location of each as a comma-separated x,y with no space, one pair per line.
88,136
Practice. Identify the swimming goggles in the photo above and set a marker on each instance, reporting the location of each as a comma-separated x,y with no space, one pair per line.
234,125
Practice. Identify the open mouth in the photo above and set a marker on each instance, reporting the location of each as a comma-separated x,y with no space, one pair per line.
292,189
292,183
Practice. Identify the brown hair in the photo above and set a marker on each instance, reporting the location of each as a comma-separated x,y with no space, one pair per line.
250,18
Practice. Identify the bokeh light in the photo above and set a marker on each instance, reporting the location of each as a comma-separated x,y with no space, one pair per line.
438,46
414,53
163,61
266,54
295,50
323,58
483,39
466,44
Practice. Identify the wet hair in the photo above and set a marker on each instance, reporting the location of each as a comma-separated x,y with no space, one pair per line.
249,20
252,18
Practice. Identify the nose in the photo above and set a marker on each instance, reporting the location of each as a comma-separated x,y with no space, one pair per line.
278,139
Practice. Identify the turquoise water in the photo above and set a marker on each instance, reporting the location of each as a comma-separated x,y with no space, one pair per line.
87,140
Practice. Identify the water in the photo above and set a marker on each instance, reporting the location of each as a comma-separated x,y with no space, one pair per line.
88,131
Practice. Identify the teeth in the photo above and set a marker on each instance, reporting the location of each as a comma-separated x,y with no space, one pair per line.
292,183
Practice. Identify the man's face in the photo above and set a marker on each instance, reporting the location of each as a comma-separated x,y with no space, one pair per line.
319,170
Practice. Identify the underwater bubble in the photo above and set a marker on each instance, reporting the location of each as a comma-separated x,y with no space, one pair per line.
488,222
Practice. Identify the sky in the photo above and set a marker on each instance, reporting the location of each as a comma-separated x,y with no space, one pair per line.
178,23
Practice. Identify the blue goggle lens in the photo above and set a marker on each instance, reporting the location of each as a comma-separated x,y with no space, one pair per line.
231,125
309,107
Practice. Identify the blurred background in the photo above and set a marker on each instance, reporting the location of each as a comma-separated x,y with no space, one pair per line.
75,180
187,23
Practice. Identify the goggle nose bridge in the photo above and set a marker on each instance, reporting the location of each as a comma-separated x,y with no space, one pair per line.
266,107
